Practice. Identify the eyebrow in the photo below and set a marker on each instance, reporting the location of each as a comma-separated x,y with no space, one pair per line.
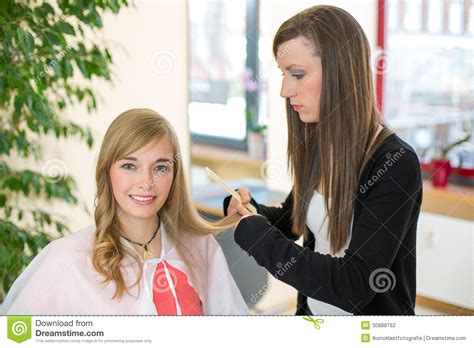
135,159
291,66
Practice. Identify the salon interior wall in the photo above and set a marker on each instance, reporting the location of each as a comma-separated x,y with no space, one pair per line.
275,13
149,45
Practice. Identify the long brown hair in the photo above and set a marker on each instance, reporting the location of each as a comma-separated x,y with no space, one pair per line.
336,149
128,133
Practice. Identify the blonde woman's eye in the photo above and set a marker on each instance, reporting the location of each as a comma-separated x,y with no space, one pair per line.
127,166
162,169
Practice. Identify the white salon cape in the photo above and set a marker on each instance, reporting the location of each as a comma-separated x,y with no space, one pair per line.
61,280
317,222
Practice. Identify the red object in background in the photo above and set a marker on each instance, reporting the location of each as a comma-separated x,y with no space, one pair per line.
381,33
441,170
427,168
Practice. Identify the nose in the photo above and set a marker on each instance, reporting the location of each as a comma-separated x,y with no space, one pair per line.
288,89
148,181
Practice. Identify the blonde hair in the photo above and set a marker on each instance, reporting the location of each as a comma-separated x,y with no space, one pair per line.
128,133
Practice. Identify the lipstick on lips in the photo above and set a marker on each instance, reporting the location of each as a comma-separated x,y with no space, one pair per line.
296,107
143,199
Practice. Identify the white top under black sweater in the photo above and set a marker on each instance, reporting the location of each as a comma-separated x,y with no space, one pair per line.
377,274
317,223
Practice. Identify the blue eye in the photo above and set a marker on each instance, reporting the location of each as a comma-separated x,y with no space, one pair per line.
162,169
127,166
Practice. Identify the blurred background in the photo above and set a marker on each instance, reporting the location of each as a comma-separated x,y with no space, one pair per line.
69,69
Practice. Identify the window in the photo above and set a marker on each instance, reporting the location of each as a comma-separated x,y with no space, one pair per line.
223,57
429,83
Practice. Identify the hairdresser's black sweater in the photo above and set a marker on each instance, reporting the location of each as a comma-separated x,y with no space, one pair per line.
377,274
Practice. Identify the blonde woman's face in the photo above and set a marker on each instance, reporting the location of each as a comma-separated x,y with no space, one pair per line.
302,77
142,180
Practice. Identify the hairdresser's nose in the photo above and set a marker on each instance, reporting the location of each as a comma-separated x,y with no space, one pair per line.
288,89
147,180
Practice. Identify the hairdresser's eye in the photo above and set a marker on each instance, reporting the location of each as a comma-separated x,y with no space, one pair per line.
162,169
298,76
127,166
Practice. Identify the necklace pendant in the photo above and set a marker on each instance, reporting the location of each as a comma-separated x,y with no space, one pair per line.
147,255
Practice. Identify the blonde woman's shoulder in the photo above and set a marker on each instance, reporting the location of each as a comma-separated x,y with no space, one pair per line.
76,242
205,245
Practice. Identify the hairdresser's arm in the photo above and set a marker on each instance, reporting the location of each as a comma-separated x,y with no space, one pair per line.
280,217
389,211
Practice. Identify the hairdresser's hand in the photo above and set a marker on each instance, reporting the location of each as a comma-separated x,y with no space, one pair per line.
236,207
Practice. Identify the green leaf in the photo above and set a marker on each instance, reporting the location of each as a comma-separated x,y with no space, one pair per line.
67,68
66,28
42,43
82,67
47,8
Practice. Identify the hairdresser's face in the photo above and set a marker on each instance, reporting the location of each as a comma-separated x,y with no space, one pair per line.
300,63
141,181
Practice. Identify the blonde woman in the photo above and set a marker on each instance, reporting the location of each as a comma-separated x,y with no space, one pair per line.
149,251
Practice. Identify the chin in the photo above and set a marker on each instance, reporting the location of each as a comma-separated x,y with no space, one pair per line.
308,119
143,212
143,215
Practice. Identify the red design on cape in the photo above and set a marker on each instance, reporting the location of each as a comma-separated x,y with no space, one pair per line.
163,298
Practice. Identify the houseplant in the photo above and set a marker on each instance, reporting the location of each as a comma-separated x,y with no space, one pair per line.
51,56
441,166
